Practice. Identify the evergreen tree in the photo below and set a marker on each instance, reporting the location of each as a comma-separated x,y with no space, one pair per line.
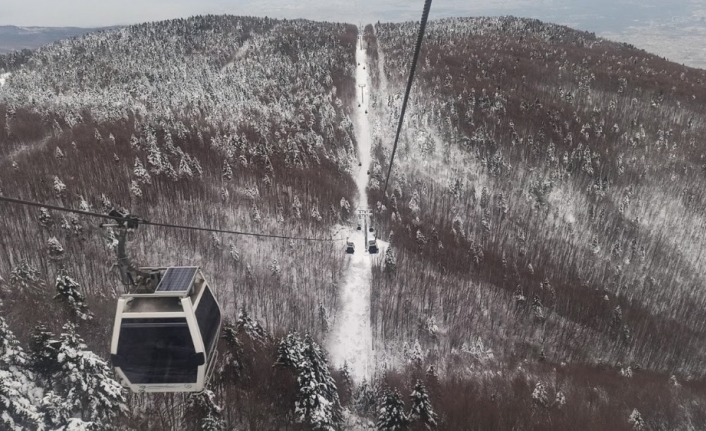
539,395
45,218
154,159
391,415
25,279
59,187
18,391
365,401
317,403
537,308
390,262
81,380
421,410
327,386
202,413
227,171
231,368
68,293
416,356
635,419
135,190
56,250
184,169
297,207
251,327
143,177
346,391
42,351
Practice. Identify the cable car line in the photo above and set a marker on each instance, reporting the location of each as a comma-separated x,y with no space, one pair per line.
136,220
420,36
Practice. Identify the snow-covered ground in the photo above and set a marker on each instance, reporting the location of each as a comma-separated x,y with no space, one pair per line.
351,339
3,78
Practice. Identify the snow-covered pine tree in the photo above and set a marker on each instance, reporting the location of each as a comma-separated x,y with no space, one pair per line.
143,177
57,414
390,262
327,386
231,367
18,391
202,413
539,395
184,169
56,250
154,159
227,171
297,207
81,380
421,410
391,414
365,401
635,419
416,355
135,190
45,218
25,279
346,391
59,187
251,327
42,351
68,293
317,403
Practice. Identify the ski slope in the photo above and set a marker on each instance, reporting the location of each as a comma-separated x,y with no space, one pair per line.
351,337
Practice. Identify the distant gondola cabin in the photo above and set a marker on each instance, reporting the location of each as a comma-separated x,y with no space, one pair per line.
165,341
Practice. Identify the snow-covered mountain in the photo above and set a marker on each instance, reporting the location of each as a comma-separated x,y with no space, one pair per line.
544,216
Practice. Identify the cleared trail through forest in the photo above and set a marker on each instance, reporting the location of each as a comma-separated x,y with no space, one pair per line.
351,337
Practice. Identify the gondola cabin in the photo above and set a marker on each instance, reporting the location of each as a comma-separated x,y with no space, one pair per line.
165,341
373,245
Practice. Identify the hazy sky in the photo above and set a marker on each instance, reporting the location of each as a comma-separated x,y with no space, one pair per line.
672,28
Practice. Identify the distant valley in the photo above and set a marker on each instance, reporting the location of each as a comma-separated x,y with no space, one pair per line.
13,38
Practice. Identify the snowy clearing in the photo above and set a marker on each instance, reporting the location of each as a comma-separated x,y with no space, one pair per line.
351,338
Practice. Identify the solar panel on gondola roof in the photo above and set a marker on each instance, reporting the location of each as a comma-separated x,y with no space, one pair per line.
177,279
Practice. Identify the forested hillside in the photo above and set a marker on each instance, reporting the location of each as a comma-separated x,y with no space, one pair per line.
223,122
545,218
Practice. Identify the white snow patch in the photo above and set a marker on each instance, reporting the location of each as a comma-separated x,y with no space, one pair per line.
3,78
